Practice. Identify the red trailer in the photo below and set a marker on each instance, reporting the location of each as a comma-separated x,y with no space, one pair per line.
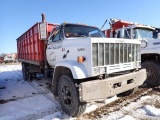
116,24
30,47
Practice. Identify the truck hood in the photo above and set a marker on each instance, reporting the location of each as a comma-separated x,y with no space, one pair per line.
113,40
87,40
150,45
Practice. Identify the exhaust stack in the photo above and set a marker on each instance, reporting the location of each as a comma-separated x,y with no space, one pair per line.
43,17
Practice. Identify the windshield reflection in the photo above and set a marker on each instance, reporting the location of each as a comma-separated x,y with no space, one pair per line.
141,33
72,30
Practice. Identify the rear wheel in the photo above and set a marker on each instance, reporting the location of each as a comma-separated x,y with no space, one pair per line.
153,73
69,97
25,72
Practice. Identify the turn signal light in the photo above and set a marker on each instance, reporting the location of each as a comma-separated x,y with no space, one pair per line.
81,59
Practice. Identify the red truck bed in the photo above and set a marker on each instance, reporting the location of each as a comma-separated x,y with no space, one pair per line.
29,46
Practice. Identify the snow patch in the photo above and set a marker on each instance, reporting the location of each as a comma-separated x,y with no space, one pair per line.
91,108
145,97
150,110
28,108
55,116
109,100
127,117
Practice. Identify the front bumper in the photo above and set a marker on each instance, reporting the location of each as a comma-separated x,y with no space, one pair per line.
101,89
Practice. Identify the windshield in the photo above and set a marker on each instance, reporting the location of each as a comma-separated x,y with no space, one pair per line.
72,30
141,33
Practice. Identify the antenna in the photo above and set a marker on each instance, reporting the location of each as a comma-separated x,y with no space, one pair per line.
140,15
104,24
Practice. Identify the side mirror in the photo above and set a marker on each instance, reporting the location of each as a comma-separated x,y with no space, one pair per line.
158,35
134,36
122,32
43,30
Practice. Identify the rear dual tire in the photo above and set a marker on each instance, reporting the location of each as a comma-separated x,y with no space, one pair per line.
27,76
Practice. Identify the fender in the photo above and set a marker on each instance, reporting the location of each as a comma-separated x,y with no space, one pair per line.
78,70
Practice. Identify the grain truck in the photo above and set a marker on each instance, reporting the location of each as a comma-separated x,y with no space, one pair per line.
150,45
80,63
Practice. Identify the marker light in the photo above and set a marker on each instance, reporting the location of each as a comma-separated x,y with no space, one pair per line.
81,59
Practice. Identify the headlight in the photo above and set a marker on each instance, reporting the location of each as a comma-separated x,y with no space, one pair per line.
95,71
138,65
99,70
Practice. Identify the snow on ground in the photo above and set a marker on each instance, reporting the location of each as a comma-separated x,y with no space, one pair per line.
21,100
24,100
14,85
29,108
143,109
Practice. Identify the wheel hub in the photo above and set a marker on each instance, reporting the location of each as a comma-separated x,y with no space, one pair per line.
66,96
151,74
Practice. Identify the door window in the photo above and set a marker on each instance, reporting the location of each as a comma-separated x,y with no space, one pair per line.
57,35
118,34
127,33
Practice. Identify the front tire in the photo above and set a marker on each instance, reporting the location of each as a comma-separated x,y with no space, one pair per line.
153,73
69,97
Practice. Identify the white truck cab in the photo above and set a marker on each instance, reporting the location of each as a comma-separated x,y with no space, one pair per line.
87,66
150,45
142,33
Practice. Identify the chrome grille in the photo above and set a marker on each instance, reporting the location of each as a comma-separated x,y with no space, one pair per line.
114,53
101,53
95,54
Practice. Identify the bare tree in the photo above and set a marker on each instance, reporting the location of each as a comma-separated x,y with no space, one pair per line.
2,55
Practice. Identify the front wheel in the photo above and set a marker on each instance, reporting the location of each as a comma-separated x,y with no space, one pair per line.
69,97
153,73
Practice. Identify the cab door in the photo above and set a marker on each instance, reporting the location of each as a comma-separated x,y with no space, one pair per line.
54,46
